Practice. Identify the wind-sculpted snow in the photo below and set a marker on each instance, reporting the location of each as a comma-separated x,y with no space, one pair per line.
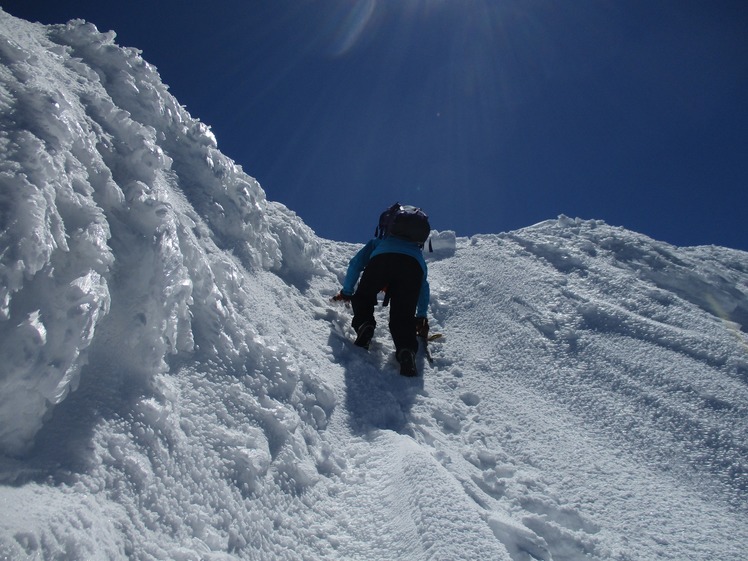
99,239
175,382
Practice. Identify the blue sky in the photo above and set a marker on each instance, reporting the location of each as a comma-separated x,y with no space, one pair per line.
490,114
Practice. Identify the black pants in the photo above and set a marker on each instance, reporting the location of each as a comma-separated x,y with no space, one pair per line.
401,275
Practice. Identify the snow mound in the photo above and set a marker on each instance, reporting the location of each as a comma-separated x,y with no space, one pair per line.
441,245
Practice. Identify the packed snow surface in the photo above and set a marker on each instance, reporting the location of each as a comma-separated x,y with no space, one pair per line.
175,382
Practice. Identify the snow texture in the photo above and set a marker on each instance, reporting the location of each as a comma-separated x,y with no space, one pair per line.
175,382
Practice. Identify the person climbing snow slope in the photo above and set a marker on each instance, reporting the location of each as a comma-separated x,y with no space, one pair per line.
392,262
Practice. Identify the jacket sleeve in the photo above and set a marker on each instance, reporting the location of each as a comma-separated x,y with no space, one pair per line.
423,299
355,266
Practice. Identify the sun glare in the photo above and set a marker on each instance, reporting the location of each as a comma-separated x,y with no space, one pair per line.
349,25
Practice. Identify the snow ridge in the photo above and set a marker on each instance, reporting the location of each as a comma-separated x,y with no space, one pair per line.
176,383
103,173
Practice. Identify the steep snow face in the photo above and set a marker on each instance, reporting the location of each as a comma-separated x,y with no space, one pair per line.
112,202
175,382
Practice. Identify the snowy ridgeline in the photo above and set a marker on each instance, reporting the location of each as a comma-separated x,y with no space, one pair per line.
175,383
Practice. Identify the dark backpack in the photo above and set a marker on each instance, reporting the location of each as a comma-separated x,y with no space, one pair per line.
405,222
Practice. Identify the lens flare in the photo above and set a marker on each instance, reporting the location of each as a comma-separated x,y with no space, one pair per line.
349,25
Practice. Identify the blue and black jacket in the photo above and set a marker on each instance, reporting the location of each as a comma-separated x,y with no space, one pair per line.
390,244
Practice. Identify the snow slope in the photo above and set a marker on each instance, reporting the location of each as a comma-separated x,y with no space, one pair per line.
176,384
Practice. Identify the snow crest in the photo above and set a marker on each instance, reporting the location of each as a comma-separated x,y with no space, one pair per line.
112,200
